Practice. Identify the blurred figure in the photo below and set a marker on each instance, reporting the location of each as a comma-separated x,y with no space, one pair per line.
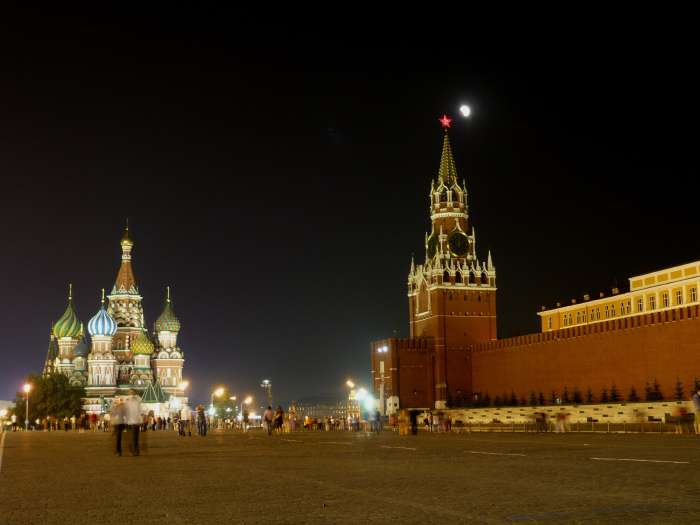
267,420
118,421
246,419
560,427
184,422
279,419
696,409
201,421
541,421
292,418
413,418
132,409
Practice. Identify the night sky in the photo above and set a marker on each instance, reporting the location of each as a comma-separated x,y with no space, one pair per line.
279,185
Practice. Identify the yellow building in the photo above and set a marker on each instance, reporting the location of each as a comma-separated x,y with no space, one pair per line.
651,292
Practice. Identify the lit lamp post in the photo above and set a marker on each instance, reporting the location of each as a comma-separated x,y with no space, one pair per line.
27,388
216,393
352,396
3,415
248,400
268,387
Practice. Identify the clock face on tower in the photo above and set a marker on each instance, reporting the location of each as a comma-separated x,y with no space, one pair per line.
432,245
459,244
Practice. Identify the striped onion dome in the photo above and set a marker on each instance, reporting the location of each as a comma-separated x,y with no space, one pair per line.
68,325
168,322
142,344
102,324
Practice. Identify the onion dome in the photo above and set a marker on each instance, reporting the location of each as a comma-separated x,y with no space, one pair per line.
168,322
68,325
142,344
102,324
82,349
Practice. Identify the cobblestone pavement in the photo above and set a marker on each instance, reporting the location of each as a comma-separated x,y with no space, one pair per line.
339,477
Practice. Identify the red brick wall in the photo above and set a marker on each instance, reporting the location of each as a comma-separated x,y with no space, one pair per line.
627,352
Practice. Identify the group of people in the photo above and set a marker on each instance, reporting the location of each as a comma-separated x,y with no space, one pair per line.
273,420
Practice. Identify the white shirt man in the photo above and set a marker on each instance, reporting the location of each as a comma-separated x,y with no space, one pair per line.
132,410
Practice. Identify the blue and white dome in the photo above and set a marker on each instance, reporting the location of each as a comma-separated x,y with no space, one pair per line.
102,324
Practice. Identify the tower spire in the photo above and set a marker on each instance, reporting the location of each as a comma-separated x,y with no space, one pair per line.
448,171
126,282
70,292
103,297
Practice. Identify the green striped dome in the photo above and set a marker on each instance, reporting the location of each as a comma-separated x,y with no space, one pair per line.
168,322
68,325
142,345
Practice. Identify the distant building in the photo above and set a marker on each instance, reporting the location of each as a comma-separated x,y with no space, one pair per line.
119,353
321,407
6,404
622,342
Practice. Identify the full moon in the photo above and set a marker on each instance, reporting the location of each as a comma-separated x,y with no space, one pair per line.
465,110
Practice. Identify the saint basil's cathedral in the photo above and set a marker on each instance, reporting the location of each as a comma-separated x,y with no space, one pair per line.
120,353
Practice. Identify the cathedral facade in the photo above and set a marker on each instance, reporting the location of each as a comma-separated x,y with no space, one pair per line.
118,352
624,341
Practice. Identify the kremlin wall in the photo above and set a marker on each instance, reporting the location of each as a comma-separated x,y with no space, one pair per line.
649,335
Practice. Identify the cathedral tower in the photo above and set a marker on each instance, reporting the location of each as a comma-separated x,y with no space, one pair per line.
102,371
67,332
452,295
169,358
125,305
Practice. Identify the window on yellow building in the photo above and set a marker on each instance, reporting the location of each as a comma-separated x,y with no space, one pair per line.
622,308
664,299
607,311
652,302
597,314
679,296
640,305
629,307
549,323
612,310
693,295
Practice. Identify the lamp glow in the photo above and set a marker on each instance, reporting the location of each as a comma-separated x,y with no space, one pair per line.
27,387
219,391
350,384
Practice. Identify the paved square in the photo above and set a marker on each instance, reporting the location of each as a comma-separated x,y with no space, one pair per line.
339,477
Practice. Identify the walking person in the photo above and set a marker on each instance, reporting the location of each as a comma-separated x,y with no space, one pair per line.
279,419
267,420
184,423
201,421
118,419
696,409
132,408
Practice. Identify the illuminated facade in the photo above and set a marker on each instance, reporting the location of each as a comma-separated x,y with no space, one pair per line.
658,291
121,354
617,342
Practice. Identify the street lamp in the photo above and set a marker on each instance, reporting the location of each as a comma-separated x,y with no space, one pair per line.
267,386
3,414
216,393
27,388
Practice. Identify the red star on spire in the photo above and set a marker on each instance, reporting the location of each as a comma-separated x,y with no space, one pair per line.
445,121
